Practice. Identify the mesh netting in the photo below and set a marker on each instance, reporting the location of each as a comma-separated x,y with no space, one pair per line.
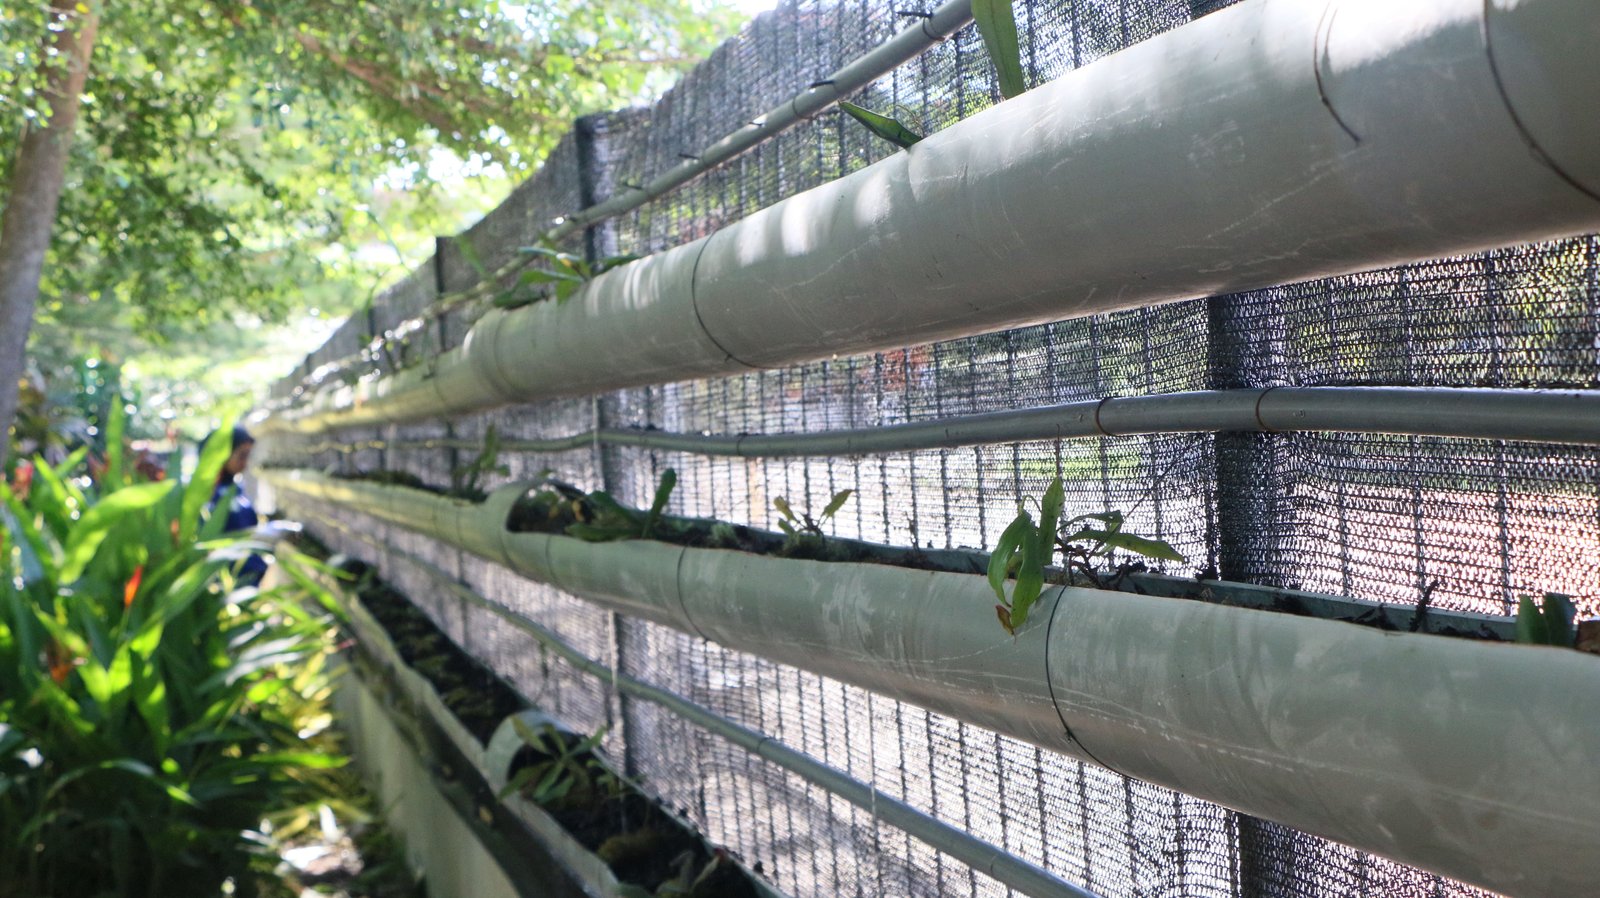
1461,524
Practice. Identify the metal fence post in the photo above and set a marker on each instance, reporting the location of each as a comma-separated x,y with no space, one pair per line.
595,180
1242,517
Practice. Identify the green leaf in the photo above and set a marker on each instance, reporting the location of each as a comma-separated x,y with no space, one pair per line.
29,543
541,276
890,129
140,771
113,479
150,699
782,505
1531,627
1030,576
97,522
610,262
1011,539
1055,498
998,26
203,483
669,479
470,254
1549,623
1559,617
512,299
836,503
307,760
1143,545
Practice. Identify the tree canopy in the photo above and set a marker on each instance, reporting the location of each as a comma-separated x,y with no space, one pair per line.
245,160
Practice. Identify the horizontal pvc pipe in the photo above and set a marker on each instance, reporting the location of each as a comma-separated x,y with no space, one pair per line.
582,567
931,29
1266,143
1545,416
1479,761
1475,760
994,862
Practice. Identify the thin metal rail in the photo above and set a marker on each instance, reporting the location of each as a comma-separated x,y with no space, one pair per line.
1547,416
980,855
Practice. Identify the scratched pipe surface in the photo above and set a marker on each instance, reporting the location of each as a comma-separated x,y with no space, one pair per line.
1270,142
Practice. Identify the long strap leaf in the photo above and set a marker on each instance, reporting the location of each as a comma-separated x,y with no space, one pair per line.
889,129
998,27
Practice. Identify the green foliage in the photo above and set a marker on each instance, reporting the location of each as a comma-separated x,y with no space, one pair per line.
150,712
998,27
563,276
467,480
802,533
603,519
1551,622
1025,549
564,769
886,127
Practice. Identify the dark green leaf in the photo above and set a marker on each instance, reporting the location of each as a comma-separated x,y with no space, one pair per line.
998,26
669,479
889,129
1547,623
1559,617
1531,627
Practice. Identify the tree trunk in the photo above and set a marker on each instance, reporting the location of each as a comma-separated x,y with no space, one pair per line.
30,211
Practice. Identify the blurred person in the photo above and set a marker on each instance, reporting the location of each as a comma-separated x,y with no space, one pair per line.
241,515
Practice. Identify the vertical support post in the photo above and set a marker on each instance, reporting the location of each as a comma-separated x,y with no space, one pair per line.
452,454
1241,519
595,184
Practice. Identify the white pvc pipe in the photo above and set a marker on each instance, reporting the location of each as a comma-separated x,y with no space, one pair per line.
1479,761
1476,760
1271,142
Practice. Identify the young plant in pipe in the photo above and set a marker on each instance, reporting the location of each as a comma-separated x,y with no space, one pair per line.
802,532
563,276
1085,541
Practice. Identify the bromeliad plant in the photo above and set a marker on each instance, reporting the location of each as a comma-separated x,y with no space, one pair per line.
149,713
1086,542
